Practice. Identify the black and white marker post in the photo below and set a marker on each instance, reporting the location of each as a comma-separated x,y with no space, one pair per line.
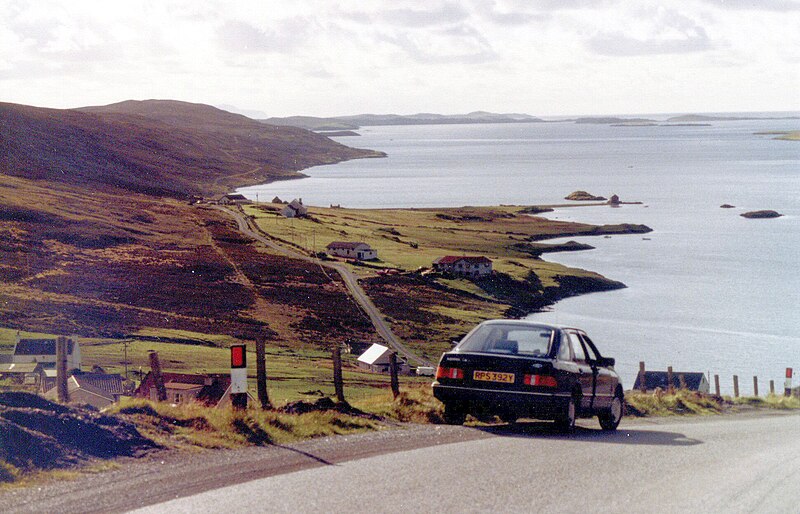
238,376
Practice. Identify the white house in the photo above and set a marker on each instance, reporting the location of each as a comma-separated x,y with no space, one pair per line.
44,351
465,266
350,250
295,209
376,359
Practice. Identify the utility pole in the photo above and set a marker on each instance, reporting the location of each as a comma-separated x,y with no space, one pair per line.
125,352
61,370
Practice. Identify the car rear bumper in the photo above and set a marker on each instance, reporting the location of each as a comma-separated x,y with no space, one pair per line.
532,404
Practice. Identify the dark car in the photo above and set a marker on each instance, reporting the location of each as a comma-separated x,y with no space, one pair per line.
520,369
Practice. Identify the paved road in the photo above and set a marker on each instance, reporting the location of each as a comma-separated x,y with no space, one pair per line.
724,464
350,280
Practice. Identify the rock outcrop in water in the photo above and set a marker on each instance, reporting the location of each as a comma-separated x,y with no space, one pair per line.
583,196
761,214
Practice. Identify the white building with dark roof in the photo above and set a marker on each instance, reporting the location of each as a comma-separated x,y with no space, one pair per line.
43,351
352,250
479,266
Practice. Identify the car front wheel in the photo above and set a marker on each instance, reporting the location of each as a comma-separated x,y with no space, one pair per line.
610,419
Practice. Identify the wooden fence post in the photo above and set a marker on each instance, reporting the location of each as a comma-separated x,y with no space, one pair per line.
158,378
670,386
735,386
682,381
716,384
261,373
642,382
755,387
393,372
771,387
338,382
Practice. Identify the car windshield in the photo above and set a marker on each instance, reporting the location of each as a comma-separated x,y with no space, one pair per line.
508,339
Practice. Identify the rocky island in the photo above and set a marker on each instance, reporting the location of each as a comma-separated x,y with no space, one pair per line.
765,214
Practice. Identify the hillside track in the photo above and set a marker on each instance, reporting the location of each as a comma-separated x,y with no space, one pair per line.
248,228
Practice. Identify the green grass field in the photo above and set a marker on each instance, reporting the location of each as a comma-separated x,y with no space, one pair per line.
409,239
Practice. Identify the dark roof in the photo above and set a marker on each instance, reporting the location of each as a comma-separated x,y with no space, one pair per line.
108,383
452,259
346,245
39,347
235,196
660,379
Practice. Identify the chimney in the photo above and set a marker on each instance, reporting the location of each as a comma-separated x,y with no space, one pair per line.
158,378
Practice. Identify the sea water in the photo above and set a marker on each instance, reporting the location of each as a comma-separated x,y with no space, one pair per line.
707,290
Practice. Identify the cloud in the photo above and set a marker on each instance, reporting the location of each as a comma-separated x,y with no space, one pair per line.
758,5
238,36
655,32
461,44
447,13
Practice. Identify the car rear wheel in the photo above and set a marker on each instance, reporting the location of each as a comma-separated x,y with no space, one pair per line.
610,419
566,421
454,414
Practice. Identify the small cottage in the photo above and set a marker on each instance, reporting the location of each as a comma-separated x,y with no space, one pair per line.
352,250
295,209
693,381
44,351
376,359
213,389
234,199
464,266
28,373
96,389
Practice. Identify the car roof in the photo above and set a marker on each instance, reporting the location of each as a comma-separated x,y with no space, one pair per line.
529,323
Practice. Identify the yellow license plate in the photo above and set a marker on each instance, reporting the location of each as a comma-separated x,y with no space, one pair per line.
493,376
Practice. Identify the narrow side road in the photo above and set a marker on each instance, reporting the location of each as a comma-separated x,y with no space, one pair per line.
350,280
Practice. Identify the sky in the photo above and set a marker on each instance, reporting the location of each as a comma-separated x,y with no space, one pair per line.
339,57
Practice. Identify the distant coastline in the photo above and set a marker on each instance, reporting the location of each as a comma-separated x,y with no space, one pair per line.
354,122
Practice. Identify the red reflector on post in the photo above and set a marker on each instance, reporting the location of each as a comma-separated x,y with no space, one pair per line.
238,356
540,380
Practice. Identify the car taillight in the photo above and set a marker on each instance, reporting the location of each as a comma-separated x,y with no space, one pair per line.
541,380
443,372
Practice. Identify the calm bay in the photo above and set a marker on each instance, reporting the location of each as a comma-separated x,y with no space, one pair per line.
707,290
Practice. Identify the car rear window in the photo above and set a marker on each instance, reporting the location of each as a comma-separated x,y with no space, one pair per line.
508,340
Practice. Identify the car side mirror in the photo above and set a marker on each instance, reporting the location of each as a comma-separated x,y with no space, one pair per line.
454,342
606,361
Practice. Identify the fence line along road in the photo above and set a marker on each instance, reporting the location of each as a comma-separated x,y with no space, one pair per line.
349,278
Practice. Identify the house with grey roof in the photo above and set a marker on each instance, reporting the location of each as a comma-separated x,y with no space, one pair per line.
295,209
96,389
352,250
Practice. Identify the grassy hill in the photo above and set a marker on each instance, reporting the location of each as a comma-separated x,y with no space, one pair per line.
157,147
94,239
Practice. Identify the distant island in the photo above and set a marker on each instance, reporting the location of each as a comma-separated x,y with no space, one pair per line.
367,120
350,123
765,214
785,135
